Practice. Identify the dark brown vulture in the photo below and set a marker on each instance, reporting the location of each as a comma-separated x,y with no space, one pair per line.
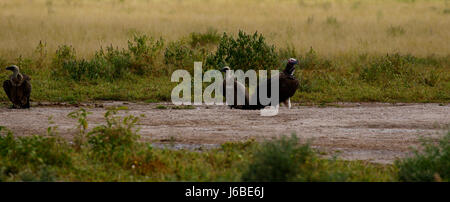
18,88
288,85
239,90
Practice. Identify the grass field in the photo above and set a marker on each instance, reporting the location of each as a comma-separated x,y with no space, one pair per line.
388,51
333,28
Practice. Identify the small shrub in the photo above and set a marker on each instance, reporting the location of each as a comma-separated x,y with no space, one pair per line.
202,39
432,164
63,54
244,52
161,107
34,150
115,140
178,54
111,63
279,161
81,115
144,51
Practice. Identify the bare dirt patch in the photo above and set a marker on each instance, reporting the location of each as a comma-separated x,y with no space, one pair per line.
377,132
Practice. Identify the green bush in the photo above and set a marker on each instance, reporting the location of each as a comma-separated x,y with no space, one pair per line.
144,52
110,63
35,150
244,52
178,54
287,160
431,164
279,160
63,54
116,140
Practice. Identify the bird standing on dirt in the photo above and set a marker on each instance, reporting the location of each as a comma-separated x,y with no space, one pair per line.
18,88
288,85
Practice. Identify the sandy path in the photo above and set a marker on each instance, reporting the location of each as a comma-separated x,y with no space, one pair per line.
373,131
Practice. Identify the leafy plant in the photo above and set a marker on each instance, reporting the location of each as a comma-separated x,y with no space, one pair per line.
81,115
244,52
110,63
34,150
115,140
279,160
431,164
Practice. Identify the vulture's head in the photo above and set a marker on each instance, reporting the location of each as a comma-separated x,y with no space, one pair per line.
290,66
292,61
13,68
225,69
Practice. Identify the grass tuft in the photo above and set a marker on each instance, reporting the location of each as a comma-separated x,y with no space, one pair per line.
430,164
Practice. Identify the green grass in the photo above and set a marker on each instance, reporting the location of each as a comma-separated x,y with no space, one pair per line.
430,164
114,152
183,107
142,71
161,107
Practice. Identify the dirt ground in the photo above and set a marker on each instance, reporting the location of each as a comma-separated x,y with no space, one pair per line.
377,132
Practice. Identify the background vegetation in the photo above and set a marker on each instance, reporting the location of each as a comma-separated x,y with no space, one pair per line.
142,70
388,51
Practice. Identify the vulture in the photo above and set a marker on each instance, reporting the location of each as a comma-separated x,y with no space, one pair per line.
239,90
288,85
18,88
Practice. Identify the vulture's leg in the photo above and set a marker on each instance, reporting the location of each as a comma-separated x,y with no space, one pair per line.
26,106
289,103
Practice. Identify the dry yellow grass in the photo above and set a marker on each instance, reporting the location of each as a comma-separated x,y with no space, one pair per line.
332,28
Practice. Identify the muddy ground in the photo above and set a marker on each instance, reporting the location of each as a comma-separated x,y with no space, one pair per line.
376,132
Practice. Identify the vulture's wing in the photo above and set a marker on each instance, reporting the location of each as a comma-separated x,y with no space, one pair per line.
26,90
7,87
288,86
